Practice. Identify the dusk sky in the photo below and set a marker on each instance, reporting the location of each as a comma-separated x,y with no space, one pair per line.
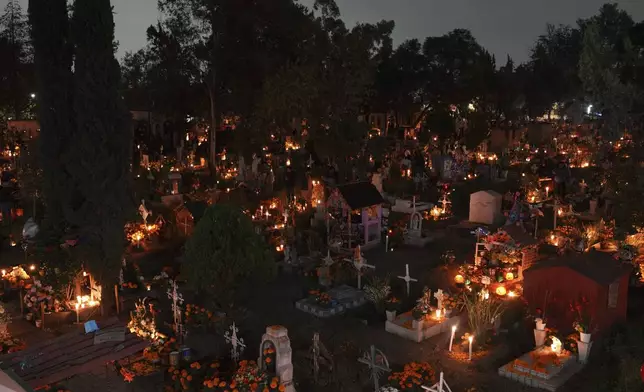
502,26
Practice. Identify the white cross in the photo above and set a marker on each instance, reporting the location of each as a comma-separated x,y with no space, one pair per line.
439,297
445,202
440,386
285,215
144,212
237,344
407,278
177,301
359,263
377,363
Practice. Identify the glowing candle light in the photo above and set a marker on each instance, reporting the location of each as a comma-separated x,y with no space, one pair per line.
451,339
471,338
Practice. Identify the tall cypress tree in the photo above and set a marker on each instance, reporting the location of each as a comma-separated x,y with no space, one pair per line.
102,141
53,62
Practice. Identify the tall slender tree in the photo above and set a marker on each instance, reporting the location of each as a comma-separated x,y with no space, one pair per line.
53,62
102,141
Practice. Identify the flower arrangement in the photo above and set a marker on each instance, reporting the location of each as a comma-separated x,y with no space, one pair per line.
269,357
10,345
197,315
321,298
450,302
130,370
142,324
413,376
392,304
130,285
583,318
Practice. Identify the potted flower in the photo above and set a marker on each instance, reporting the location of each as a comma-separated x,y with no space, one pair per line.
541,323
392,304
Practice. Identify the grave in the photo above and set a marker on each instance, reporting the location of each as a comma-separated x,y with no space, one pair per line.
276,337
407,206
343,298
544,368
406,327
485,207
415,233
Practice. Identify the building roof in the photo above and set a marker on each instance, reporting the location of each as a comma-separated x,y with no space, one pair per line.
360,195
599,267
519,235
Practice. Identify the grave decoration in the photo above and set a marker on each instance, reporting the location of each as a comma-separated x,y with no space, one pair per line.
143,325
237,344
138,234
424,320
334,301
16,277
196,316
8,344
574,234
412,377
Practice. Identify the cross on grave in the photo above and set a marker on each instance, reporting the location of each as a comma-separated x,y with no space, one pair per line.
377,363
445,202
439,295
359,262
177,301
285,215
237,344
407,278
440,386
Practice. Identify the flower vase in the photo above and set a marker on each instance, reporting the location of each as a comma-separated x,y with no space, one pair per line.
584,337
417,324
541,326
165,358
38,323
391,315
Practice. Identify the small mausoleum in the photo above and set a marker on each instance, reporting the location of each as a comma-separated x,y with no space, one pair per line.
360,204
557,282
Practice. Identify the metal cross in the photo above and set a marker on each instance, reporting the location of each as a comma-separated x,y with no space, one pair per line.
407,278
328,260
237,344
177,301
359,263
377,363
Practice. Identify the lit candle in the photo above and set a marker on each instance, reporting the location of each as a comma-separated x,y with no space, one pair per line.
547,189
470,339
386,243
438,314
451,339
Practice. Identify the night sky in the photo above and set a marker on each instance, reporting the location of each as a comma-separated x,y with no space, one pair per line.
502,26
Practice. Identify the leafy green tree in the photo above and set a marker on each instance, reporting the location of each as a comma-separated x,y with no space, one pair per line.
224,250
99,160
53,62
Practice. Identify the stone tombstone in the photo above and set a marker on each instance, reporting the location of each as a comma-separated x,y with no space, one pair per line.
415,224
276,337
485,207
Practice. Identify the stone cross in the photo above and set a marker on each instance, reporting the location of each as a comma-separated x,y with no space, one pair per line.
439,297
407,278
359,263
377,363
177,301
237,344
285,215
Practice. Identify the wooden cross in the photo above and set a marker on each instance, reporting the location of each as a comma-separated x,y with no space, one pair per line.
377,363
407,278
359,263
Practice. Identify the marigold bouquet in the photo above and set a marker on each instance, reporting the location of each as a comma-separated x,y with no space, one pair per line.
413,376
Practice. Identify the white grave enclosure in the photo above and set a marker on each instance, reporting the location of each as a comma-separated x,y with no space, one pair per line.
485,207
276,336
